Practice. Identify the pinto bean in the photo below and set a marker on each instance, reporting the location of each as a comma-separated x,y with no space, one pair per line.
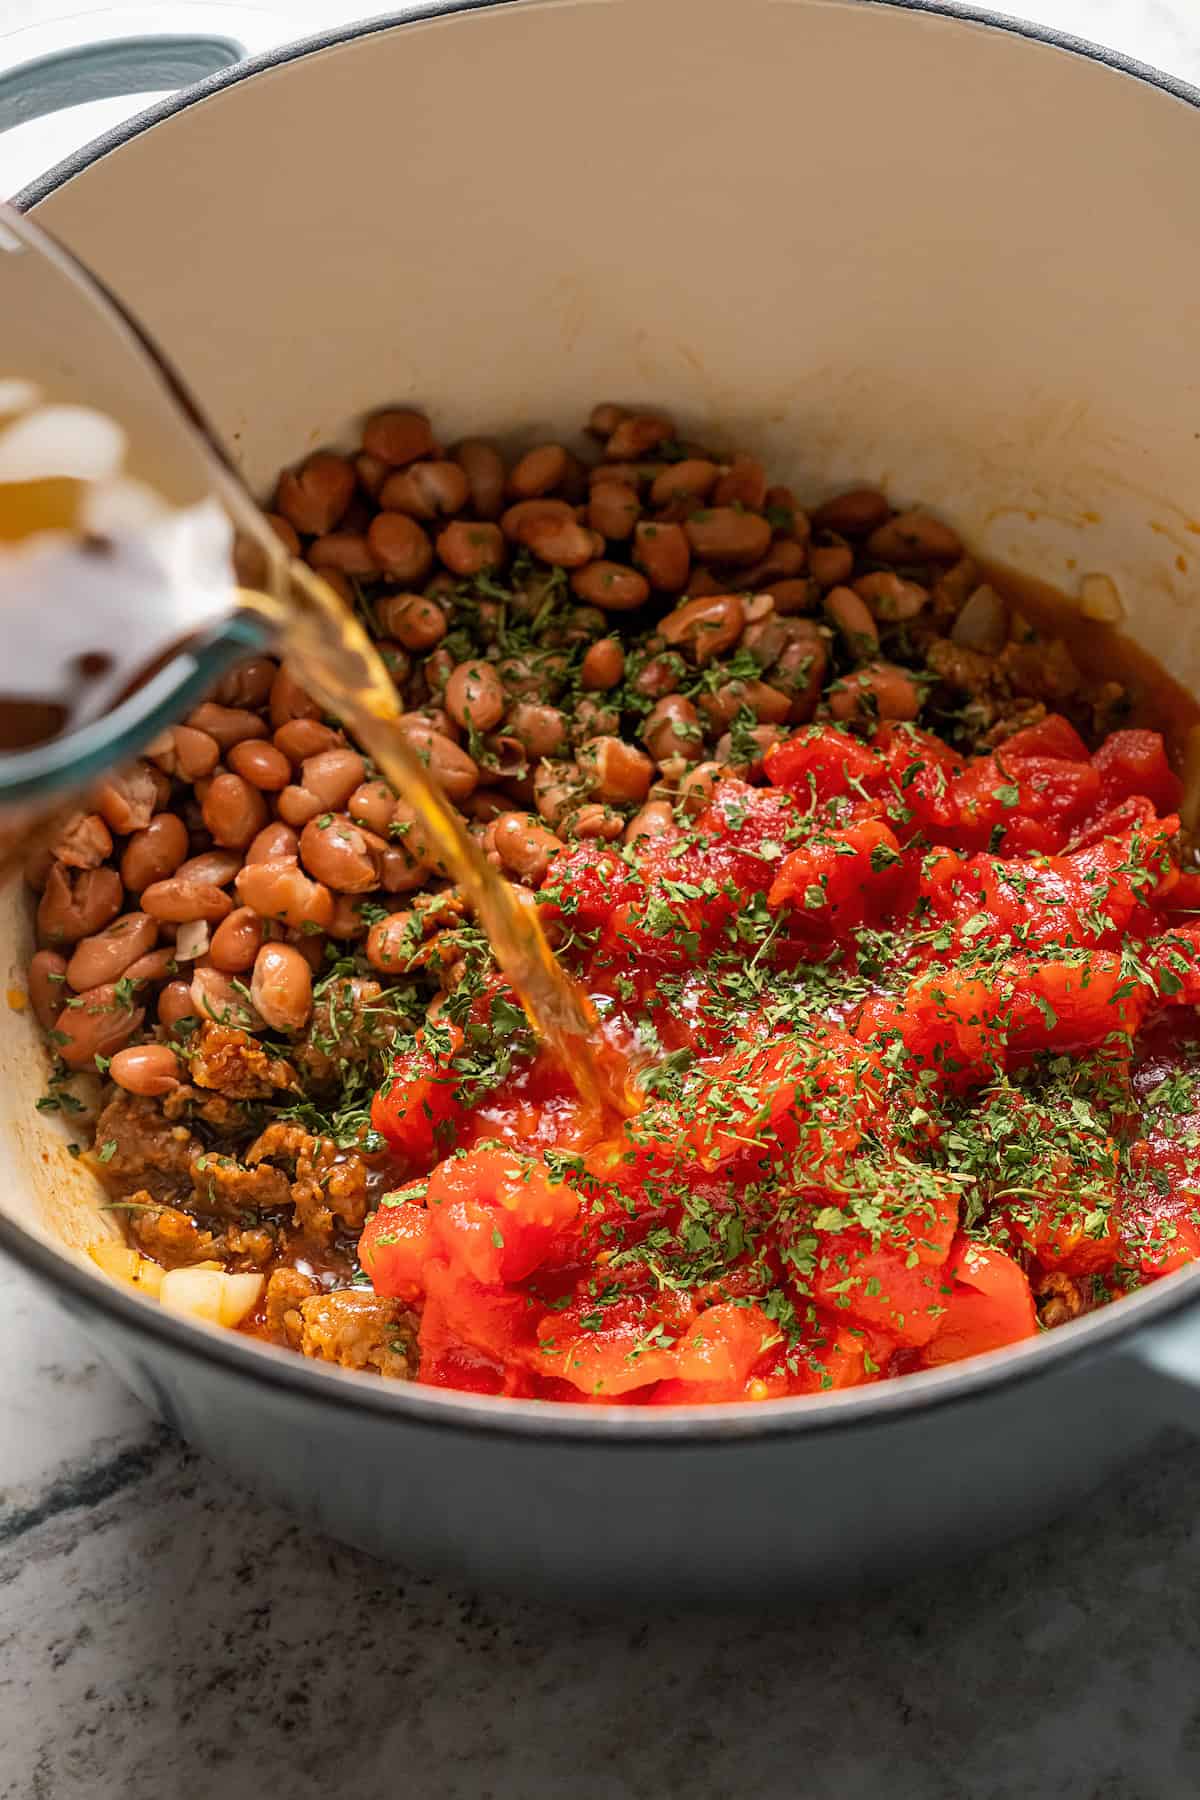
399,546
878,691
524,845
106,955
743,483
556,789
332,776
613,509
398,435
372,472
785,561
146,1069
222,999
75,906
186,752
344,553
468,547
914,537
262,765
539,471
698,786
653,820
761,737
217,866
179,900
564,543
854,514
95,1023
475,696
794,596
540,730
723,535
831,565
800,670
248,683
288,701
769,705
155,966
314,497
337,852
285,531
282,891
281,987
604,419
276,842
603,666
235,942
129,800
372,804
691,479
706,627
403,865
426,490
233,810
301,738
636,435
456,773
154,852
852,616
596,821
296,806
227,725
83,842
483,466
392,942
616,771
611,586
672,728
660,675
175,1004
663,554
890,597
47,981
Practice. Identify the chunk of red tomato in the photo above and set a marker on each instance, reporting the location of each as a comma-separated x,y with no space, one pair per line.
494,1213
896,1283
989,1305
1134,763
417,1109
609,1348
822,763
396,1243
841,879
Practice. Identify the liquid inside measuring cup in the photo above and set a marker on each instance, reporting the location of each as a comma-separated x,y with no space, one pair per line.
99,581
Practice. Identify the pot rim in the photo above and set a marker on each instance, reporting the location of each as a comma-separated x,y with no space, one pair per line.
276,1369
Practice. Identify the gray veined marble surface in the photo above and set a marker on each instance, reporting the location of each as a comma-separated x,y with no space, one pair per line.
165,1636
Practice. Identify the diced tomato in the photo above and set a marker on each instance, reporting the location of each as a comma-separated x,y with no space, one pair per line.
1135,763
823,763
396,1244
841,878
1052,736
894,1284
1000,792
989,1305
608,1350
417,1109
494,1214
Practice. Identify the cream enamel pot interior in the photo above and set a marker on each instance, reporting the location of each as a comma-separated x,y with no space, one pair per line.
874,241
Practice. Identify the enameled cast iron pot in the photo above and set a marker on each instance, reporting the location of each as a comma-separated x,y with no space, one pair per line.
875,241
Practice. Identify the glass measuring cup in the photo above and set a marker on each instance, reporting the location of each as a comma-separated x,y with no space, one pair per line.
156,622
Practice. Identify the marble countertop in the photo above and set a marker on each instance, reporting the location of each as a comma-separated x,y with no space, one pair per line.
166,1636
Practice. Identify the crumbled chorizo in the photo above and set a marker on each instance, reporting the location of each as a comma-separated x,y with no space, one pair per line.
147,1151
222,1185
171,1237
360,1330
286,1289
231,1062
329,1186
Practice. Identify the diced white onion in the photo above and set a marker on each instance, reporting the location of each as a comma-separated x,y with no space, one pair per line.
191,940
74,442
1099,600
210,1294
983,622
123,1263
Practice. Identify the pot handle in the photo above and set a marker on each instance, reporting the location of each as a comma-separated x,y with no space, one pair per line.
1170,1355
105,71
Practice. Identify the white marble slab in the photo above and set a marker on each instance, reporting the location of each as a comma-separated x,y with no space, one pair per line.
164,1636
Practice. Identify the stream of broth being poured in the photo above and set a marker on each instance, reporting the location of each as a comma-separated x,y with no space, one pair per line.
339,665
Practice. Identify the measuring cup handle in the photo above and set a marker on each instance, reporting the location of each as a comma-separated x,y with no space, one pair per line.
42,776
107,70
